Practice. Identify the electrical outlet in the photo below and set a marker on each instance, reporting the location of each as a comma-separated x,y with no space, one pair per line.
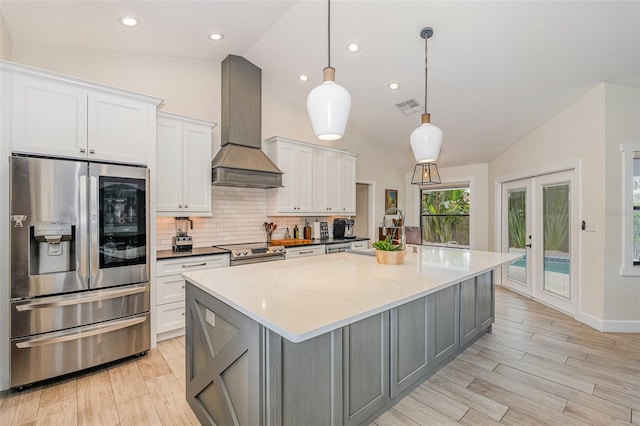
590,226
211,318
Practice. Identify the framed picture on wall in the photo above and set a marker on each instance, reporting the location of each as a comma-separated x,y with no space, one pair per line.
390,198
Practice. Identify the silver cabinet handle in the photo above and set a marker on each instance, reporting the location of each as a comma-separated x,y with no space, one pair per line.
103,328
195,264
83,150
186,206
58,301
92,151
305,252
179,206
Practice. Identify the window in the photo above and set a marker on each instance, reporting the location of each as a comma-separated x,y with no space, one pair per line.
444,216
631,209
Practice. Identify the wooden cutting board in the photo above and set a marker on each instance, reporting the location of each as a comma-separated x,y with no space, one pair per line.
290,242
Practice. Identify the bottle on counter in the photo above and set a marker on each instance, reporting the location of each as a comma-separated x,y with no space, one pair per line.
287,235
296,232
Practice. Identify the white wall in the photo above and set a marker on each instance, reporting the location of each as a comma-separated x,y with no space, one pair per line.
476,175
576,134
6,46
622,125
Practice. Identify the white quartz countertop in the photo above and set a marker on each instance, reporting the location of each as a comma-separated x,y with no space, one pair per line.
306,297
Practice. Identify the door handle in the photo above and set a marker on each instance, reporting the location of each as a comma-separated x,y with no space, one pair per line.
93,331
528,245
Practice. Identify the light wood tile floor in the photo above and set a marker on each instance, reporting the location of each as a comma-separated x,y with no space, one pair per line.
538,367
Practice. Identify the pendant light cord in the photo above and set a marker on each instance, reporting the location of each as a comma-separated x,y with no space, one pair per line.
426,71
329,33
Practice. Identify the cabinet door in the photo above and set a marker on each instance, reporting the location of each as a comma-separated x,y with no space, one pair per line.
118,128
444,317
169,289
365,368
169,166
333,169
286,158
48,118
320,186
304,173
348,184
409,345
197,168
170,317
486,301
469,315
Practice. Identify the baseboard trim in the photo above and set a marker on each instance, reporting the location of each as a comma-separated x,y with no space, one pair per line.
610,326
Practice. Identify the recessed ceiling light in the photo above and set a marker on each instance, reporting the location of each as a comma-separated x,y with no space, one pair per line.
393,86
128,21
353,47
216,36
303,77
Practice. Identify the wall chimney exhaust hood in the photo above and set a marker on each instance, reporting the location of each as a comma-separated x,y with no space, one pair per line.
241,161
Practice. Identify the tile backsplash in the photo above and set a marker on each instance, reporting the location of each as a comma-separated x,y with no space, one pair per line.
239,215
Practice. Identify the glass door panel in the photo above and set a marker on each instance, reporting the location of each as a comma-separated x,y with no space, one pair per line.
516,238
554,282
119,226
122,231
556,233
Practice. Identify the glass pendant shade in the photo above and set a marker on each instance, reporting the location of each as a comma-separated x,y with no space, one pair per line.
328,106
426,141
425,174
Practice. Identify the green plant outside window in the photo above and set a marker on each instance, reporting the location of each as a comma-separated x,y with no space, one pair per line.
445,216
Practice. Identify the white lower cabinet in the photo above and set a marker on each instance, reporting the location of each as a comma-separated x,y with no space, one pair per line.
170,286
359,245
294,252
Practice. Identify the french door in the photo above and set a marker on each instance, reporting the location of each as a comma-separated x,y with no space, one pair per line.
539,221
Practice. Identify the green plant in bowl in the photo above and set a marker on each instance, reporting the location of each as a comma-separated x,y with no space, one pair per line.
386,245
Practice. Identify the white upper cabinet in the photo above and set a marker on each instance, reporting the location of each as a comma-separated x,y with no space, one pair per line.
183,161
56,115
119,128
296,162
316,181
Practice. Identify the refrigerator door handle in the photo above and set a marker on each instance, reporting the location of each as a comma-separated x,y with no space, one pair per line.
93,226
81,236
55,302
92,331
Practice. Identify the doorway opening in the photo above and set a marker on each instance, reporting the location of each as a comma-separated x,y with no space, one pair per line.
364,220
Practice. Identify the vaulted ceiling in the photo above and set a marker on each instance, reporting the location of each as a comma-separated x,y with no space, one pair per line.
497,70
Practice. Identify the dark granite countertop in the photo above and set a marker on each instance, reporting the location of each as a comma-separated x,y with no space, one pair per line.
196,251
332,241
204,251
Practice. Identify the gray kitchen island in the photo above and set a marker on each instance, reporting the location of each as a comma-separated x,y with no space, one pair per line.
330,340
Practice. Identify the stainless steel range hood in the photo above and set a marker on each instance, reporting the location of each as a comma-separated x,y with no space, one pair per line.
240,161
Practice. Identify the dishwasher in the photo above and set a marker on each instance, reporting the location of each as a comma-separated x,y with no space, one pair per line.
338,248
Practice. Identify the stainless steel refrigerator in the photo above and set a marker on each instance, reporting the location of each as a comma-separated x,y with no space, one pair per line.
79,265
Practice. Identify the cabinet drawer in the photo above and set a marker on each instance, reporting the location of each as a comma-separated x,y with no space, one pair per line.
185,264
170,289
292,253
360,245
170,317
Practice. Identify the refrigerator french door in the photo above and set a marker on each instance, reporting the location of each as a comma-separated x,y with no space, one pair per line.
79,265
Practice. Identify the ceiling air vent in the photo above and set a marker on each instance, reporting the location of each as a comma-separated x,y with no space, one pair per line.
409,106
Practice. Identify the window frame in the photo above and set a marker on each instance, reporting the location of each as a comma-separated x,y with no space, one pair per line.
629,152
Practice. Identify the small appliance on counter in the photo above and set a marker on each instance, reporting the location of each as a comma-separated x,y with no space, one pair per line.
182,241
349,225
339,226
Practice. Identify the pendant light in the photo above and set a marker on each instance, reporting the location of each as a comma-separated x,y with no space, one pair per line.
328,104
426,140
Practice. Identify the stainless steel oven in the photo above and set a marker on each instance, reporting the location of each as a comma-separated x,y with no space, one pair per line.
244,254
79,265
